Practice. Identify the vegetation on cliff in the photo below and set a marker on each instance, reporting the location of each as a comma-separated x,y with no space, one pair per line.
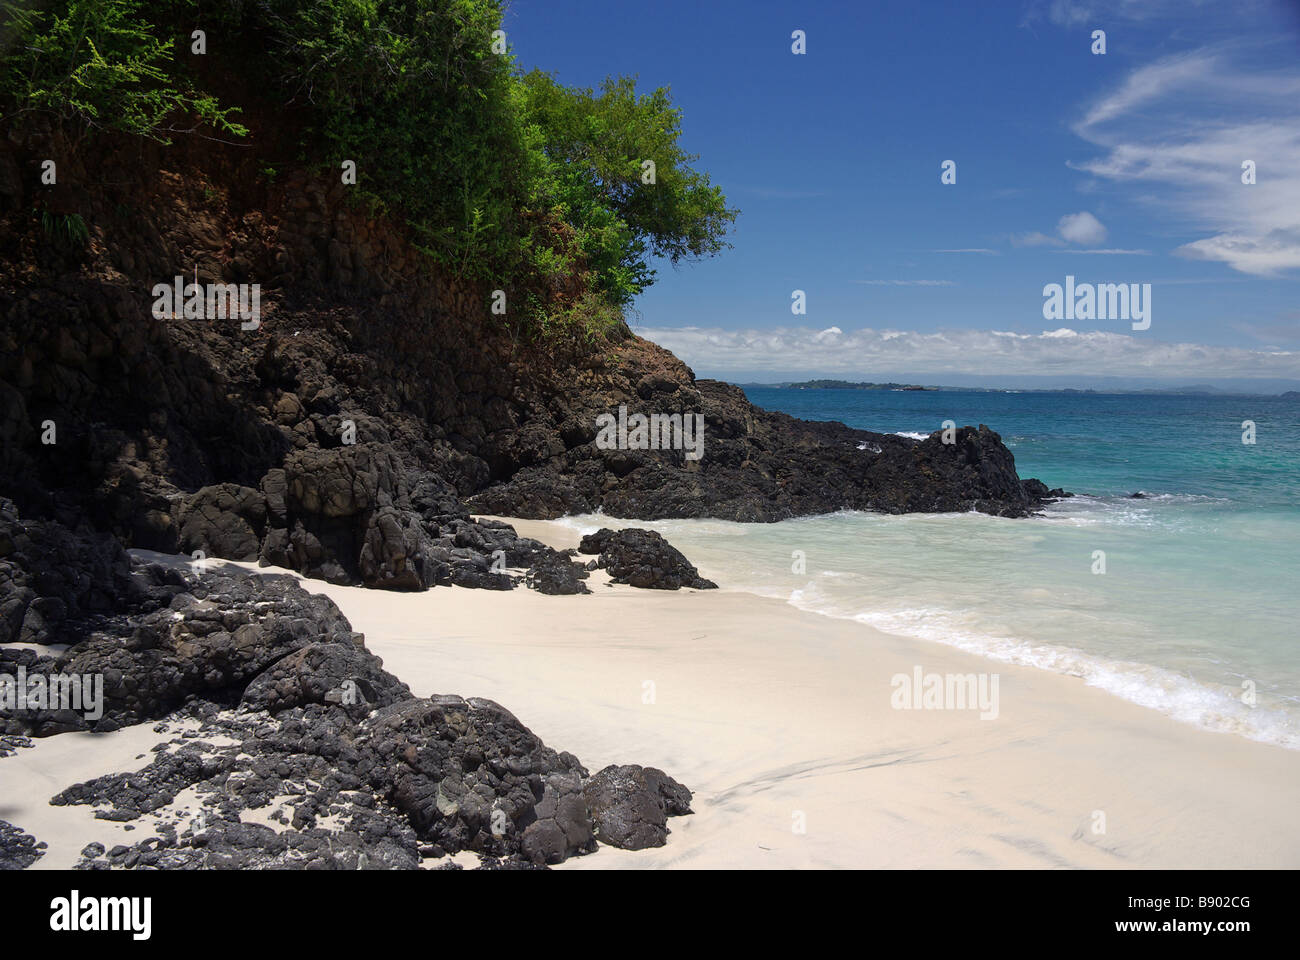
558,196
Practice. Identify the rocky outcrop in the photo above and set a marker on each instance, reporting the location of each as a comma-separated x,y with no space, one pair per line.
12,743
343,674
643,558
188,635
558,575
417,779
345,435
760,466
293,713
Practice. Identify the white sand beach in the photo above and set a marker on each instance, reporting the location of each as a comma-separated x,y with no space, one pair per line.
781,723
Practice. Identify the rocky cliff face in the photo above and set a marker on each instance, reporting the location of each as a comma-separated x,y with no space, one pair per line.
343,436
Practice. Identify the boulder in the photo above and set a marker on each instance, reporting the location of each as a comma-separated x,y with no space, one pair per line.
346,675
630,805
224,520
643,558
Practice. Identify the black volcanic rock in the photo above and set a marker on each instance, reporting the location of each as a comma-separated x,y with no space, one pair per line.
630,805
225,520
1037,490
555,573
12,743
51,576
18,850
427,776
643,558
760,466
289,703
343,674
212,640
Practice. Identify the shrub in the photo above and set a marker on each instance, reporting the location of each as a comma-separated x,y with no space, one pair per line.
105,64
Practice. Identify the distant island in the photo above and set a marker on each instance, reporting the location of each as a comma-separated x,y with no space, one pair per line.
1197,390
838,385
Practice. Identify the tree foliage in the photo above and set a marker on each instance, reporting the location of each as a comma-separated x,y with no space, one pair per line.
504,177
102,63
596,149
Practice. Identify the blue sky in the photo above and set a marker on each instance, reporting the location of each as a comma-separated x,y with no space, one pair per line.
1115,168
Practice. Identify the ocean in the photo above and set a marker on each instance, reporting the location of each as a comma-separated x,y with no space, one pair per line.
1197,612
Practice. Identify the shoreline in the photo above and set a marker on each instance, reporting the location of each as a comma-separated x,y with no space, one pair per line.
767,712
781,722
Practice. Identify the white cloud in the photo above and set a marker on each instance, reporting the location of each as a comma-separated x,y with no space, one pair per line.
1081,227
1074,13
1276,250
860,353
1181,129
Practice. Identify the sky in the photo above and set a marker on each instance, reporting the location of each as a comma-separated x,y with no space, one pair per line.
1115,168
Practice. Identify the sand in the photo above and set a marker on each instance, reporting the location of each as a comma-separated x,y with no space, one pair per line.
30,777
781,723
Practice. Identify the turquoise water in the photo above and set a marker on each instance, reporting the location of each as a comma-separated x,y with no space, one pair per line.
1199,604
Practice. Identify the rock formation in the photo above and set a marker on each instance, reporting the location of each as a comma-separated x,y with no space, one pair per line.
373,775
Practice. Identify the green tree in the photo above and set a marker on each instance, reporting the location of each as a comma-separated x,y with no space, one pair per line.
502,177
595,147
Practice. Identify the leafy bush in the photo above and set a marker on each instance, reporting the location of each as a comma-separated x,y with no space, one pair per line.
414,95
104,63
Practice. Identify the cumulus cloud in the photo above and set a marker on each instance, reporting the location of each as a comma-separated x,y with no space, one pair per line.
1081,227
860,353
